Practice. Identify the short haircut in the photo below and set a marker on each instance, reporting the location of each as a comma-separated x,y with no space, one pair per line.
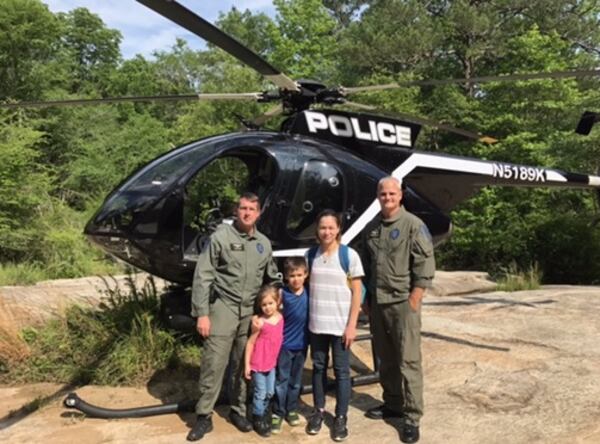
294,263
389,179
251,197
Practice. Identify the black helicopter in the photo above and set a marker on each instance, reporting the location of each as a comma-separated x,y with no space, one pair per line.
319,159
157,219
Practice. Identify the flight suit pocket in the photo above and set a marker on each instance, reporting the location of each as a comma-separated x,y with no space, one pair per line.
397,255
412,334
222,318
233,259
400,284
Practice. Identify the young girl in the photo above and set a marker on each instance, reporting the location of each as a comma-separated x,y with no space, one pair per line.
335,296
262,351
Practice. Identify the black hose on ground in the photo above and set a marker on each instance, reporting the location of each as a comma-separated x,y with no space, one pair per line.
72,401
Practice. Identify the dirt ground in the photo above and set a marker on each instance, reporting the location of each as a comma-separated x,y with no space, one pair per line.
499,367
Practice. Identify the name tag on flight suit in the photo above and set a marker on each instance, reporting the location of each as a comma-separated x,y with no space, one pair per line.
237,247
375,233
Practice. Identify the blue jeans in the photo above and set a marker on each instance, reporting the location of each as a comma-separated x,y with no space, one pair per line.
264,387
288,383
319,353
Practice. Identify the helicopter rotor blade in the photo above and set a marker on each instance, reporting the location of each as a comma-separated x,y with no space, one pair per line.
429,122
76,102
483,79
452,129
360,105
197,25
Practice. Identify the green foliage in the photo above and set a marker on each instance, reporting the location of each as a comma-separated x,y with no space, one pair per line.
24,187
24,273
123,342
391,37
28,35
304,39
91,50
568,248
58,163
512,279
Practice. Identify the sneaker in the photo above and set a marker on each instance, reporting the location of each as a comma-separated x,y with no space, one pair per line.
240,422
340,431
293,419
314,423
276,424
202,427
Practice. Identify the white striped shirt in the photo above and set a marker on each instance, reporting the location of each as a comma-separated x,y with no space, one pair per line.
330,297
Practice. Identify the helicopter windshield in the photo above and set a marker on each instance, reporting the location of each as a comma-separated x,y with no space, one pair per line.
149,183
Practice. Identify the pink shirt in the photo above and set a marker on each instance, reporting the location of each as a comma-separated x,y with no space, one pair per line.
267,346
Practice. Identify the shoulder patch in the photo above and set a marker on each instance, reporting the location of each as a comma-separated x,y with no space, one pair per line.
260,248
394,233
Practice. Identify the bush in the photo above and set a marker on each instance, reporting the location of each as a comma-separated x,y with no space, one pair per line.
567,248
21,274
124,342
512,279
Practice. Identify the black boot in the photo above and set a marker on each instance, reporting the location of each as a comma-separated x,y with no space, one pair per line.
261,425
239,421
203,426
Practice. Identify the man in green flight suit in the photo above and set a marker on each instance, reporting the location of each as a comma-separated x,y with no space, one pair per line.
231,268
399,260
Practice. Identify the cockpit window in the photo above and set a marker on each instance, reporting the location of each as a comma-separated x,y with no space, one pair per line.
321,186
150,182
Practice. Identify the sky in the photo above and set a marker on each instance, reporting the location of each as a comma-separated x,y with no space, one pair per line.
144,30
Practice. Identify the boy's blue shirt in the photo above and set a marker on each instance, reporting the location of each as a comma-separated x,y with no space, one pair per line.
295,315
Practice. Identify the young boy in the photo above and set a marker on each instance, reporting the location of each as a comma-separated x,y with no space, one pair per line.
290,363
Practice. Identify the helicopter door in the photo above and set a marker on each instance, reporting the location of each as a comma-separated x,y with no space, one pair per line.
321,186
209,199
211,195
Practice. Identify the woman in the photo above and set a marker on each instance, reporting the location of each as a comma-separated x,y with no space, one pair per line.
335,297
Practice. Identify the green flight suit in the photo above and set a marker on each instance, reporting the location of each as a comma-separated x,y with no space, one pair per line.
229,272
398,257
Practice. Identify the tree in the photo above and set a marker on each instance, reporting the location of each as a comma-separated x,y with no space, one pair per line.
24,187
304,44
29,35
91,50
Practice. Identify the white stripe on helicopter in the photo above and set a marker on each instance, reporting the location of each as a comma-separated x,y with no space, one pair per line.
441,163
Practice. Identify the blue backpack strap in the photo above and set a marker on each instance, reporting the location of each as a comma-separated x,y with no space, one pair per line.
344,255
312,252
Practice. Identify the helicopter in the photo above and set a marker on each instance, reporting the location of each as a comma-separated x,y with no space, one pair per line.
159,218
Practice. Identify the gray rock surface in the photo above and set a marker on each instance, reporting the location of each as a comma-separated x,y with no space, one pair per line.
500,367
26,305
